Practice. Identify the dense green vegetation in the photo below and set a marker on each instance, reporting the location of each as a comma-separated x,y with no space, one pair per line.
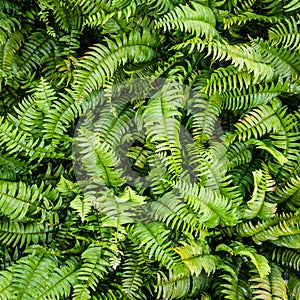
184,188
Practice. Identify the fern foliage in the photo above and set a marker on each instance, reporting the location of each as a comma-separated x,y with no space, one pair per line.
149,149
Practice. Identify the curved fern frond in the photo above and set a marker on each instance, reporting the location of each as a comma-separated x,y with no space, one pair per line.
247,16
286,34
257,206
172,210
197,257
37,48
241,56
232,282
161,120
213,207
285,228
101,62
200,20
179,283
96,159
254,95
285,62
16,141
257,122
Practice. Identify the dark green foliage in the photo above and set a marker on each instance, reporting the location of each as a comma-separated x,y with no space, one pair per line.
184,188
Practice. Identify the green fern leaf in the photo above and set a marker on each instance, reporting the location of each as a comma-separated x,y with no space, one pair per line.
199,20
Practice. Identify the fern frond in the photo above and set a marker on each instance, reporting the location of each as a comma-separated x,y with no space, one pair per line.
285,62
213,207
199,20
179,283
31,274
6,289
283,228
288,258
37,48
18,200
153,238
58,119
8,25
16,140
288,193
232,280
60,282
172,210
206,111
196,256
14,233
29,117
239,249
271,286
241,56
286,33
119,210
257,206
257,122
100,63
247,16
93,269
161,120
96,159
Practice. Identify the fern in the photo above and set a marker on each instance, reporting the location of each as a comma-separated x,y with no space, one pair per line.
149,149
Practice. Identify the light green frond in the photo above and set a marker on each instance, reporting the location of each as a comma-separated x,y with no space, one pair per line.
248,16
285,227
257,206
199,20
93,269
179,283
229,78
270,287
212,207
241,56
153,239
197,257
258,122
119,210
